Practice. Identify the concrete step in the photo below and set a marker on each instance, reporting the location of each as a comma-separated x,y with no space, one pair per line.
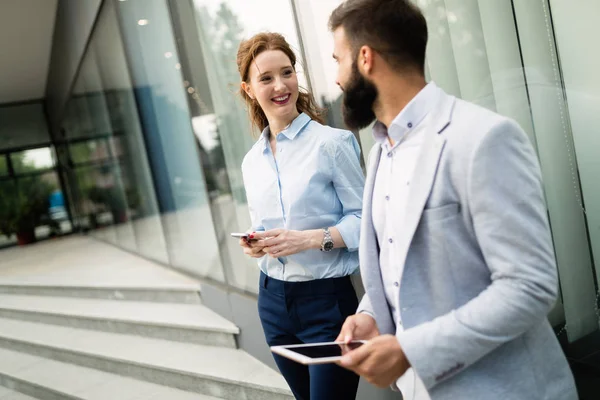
193,323
24,376
214,371
174,293
7,394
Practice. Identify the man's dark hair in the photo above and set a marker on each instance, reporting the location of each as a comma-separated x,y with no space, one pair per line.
396,29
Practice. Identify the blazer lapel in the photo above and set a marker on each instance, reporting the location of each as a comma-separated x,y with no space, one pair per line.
425,172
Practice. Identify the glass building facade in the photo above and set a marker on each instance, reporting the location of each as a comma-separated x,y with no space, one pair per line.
149,143
31,198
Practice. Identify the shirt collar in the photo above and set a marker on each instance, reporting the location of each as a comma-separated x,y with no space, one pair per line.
292,130
410,116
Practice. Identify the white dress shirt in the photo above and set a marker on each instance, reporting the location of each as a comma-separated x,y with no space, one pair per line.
390,196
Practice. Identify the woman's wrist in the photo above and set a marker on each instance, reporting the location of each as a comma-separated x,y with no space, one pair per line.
314,238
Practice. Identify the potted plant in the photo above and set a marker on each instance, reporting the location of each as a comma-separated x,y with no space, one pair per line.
23,206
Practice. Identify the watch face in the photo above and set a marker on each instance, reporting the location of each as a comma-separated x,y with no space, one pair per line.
328,246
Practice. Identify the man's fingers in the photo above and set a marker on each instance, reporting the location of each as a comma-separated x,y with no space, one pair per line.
355,357
347,333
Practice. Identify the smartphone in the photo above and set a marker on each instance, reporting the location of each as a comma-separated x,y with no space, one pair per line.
242,236
316,353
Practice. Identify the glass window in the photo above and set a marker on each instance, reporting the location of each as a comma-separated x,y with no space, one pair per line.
313,16
111,181
32,160
582,91
99,200
89,151
174,155
318,45
23,125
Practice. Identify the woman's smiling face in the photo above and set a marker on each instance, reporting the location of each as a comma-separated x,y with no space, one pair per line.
274,84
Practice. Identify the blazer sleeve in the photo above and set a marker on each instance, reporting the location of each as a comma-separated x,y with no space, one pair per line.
506,202
365,306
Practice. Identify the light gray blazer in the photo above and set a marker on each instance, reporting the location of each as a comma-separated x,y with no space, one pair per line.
479,269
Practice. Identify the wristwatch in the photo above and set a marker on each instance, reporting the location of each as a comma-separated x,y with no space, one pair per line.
327,243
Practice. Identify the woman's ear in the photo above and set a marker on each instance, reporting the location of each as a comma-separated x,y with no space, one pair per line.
246,88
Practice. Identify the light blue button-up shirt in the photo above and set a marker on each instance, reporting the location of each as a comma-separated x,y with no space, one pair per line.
314,182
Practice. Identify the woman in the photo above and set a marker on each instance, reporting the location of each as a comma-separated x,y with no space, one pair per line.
304,187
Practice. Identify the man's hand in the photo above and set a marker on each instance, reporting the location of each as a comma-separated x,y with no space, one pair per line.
283,242
251,248
358,327
380,361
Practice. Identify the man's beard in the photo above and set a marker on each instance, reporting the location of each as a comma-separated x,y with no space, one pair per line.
359,97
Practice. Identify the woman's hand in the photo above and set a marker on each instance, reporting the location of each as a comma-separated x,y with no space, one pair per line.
283,242
251,248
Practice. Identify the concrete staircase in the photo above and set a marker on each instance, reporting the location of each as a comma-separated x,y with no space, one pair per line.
123,343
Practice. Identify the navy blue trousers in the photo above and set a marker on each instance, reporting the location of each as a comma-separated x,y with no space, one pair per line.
308,312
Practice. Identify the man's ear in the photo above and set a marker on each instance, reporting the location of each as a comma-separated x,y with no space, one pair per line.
365,61
246,88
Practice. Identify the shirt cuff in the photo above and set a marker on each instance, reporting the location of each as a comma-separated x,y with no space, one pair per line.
349,228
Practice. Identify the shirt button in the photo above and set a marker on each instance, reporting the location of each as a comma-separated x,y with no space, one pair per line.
407,183
410,125
396,284
387,197
390,155
391,240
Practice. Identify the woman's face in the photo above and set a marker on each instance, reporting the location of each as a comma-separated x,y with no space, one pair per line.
274,84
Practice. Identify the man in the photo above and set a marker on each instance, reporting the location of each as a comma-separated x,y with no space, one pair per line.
456,254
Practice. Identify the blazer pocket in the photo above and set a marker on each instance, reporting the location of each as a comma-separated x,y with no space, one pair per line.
440,213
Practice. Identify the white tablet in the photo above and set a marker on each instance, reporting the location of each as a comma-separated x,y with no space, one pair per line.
316,353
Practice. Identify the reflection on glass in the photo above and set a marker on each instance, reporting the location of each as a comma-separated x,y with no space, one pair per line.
174,155
89,151
32,160
318,45
582,90
126,143
110,190
106,163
